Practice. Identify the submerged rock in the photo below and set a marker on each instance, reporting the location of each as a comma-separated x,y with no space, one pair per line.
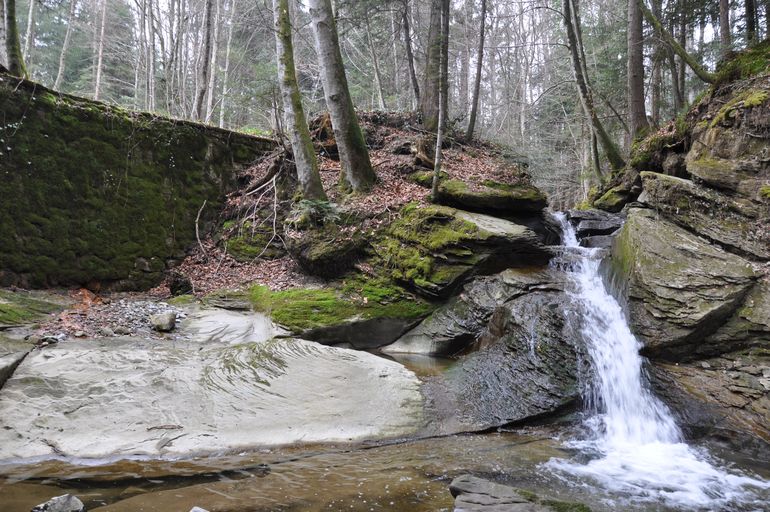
680,288
473,494
64,503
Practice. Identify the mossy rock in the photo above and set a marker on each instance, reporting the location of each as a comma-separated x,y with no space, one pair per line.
491,197
364,311
326,251
434,248
89,188
21,307
613,200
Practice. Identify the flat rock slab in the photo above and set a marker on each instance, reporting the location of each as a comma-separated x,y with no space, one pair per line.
8,364
128,397
474,494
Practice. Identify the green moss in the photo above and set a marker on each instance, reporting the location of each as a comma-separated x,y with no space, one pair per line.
250,242
182,300
89,188
645,150
751,62
764,191
359,296
564,506
613,200
21,308
746,99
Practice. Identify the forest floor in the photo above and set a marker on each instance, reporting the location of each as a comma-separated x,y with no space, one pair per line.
393,140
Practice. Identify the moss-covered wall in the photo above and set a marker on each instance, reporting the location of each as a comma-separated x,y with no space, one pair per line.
91,193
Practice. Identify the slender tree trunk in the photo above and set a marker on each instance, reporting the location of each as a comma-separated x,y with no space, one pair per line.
151,58
226,73
205,62
572,20
3,53
213,70
657,72
394,29
479,68
299,135
410,54
443,96
12,43
65,45
357,171
751,21
30,34
100,52
376,64
637,114
429,104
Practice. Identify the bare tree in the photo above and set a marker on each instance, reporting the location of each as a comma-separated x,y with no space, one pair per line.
636,109
724,26
479,67
3,54
410,53
357,171
12,43
751,21
205,64
429,101
29,36
100,52
443,96
65,45
299,135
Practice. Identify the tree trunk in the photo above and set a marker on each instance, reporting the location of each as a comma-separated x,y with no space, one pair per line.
299,135
100,52
3,54
751,21
226,73
410,54
30,34
443,96
572,20
65,45
724,27
12,42
699,70
357,173
205,63
479,67
429,105
213,70
637,114
376,64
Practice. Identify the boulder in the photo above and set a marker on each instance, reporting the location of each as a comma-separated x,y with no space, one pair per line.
163,322
680,288
738,225
598,241
614,199
326,252
491,197
64,503
725,399
527,365
179,284
8,364
434,249
458,324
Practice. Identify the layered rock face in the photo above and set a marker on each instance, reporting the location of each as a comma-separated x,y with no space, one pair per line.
97,194
694,256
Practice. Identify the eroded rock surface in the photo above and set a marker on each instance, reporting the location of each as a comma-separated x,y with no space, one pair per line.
681,289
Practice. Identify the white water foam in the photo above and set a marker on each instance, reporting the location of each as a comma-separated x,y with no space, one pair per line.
640,452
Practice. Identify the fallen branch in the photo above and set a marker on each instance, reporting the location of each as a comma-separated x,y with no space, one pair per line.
197,230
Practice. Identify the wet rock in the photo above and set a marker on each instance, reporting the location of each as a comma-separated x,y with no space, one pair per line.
732,407
529,362
598,227
597,242
735,224
473,494
361,334
122,330
458,324
163,322
680,288
198,509
326,252
107,332
64,503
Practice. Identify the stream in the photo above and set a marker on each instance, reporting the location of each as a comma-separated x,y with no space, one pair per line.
317,411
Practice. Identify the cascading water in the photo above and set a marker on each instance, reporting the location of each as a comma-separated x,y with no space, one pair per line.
638,448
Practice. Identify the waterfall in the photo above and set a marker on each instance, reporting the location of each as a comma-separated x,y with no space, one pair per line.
637,449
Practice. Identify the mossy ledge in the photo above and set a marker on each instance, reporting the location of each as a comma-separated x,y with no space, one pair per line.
95,194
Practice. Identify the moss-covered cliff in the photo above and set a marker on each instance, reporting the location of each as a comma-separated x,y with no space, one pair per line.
97,194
